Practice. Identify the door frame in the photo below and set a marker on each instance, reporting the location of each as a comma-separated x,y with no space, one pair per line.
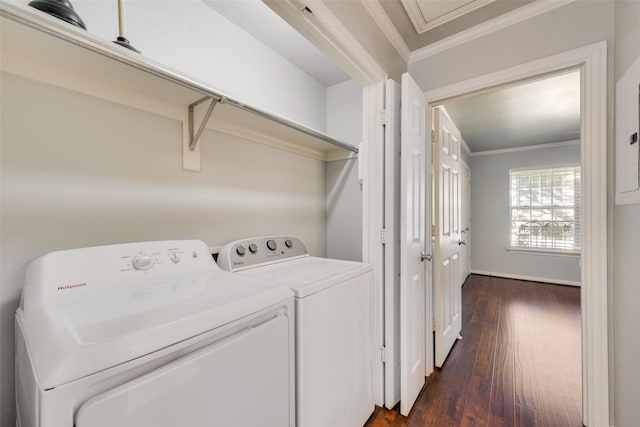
591,60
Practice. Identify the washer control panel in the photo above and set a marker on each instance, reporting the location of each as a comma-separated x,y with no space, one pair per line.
256,251
152,258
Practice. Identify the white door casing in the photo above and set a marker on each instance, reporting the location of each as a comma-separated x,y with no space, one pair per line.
447,258
391,123
413,274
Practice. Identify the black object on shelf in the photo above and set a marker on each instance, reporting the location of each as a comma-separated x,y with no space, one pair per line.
125,43
61,9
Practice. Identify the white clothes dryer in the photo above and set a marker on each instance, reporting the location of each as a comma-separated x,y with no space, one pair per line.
334,323
149,335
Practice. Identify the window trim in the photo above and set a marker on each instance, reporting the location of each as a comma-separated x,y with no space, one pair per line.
542,251
538,250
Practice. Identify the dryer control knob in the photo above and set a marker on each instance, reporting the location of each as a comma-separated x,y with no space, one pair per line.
175,257
253,248
240,250
271,244
142,262
288,243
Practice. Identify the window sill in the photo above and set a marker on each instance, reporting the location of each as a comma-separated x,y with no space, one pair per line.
573,254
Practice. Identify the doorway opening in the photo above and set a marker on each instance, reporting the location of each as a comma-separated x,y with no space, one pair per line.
591,62
521,145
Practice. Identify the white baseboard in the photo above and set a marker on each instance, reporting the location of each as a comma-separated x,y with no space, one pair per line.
527,278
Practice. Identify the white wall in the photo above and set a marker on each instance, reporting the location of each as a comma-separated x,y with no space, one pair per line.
491,216
191,37
627,238
344,192
80,171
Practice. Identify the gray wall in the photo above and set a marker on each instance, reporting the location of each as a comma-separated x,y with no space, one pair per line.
577,24
344,192
627,238
574,25
80,171
491,220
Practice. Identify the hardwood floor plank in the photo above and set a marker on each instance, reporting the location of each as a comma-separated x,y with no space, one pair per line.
527,417
476,411
525,380
574,412
502,413
518,363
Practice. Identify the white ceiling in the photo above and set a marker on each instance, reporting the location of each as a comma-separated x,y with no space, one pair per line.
257,19
538,112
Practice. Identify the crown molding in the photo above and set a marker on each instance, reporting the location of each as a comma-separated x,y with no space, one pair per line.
526,148
523,13
382,19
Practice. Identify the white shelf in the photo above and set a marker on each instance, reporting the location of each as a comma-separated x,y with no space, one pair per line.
43,48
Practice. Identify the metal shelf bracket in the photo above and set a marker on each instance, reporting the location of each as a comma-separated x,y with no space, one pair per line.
194,138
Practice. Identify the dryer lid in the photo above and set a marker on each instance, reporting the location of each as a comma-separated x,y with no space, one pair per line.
85,310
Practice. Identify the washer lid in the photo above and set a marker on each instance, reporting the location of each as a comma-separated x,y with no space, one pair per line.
308,275
85,310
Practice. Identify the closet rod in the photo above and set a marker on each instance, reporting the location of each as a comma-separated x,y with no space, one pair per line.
88,41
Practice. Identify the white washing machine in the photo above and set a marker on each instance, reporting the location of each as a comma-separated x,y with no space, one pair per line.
334,323
149,335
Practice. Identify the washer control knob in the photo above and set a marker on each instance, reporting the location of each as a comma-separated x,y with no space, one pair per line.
142,262
174,257
240,250
271,244
288,243
253,248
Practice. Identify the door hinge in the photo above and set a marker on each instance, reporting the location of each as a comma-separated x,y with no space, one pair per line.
383,354
434,325
384,118
383,236
433,136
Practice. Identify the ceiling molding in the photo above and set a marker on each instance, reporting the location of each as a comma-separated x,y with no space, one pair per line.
420,22
527,148
503,21
314,20
382,19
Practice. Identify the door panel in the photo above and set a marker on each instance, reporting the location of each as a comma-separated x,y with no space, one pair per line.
447,293
414,277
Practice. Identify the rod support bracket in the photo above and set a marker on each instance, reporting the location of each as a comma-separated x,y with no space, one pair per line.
194,135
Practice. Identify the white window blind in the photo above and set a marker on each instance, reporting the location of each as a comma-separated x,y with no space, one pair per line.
545,209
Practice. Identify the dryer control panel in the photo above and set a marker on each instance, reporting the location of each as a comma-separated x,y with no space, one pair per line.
259,251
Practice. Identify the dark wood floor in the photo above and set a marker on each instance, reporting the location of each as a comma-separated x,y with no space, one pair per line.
518,363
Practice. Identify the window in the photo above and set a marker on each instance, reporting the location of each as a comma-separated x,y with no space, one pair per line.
545,209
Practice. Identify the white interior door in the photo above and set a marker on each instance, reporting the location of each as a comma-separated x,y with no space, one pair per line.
465,225
392,245
413,274
447,292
